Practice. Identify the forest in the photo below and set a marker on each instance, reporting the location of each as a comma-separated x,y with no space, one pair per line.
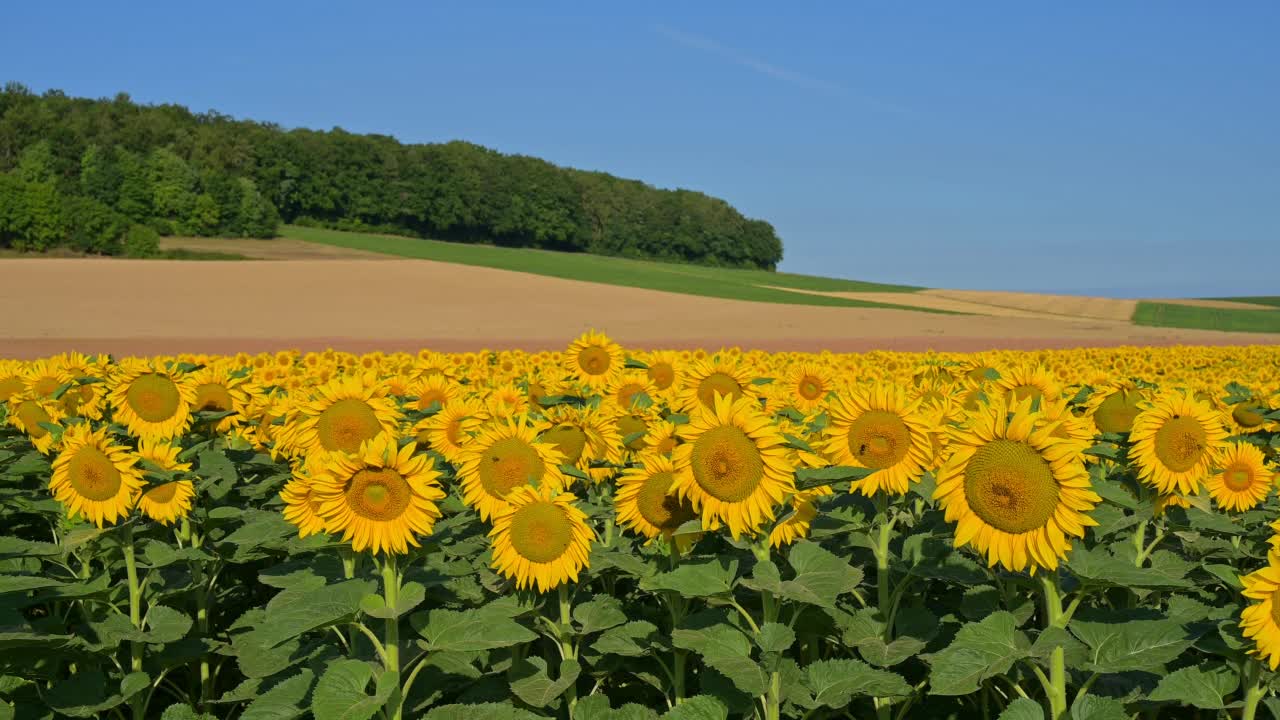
108,176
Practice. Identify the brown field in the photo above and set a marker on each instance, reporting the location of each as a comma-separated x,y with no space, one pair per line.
164,306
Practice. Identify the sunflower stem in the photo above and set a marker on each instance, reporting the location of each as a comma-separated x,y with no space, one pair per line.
136,648
1139,543
884,586
1055,617
1255,691
391,643
566,644
676,603
772,699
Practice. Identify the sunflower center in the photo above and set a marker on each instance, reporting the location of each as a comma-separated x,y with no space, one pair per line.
662,375
153,397
1180,443
213,397
879,439
45,386
810,388
727,464
1010,486
508,464
75,397
93,475
656,505
594,360
630,425
1238,477
1248,415
345,424
569,440
718,382
380,495
541,532
162,494
1116,413
9,386
627,393
31,415
453,431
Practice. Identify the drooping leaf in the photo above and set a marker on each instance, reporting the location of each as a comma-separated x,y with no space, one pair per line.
1022,709
1205,689
342,692
834,683
980,650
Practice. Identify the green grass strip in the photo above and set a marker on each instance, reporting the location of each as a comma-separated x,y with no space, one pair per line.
1157,314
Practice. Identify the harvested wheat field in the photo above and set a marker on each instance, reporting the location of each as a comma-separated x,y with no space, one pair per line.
144,306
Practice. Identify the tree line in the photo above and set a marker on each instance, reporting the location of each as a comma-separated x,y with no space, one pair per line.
105,176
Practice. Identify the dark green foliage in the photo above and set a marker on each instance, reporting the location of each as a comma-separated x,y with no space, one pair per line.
141,242
206,174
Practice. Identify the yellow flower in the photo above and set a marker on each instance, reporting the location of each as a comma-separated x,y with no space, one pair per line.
503,456
877,428
644,501
541,539
94,477
167,502
340,416
1244,481
594,360
1260,621
1176,440
150,399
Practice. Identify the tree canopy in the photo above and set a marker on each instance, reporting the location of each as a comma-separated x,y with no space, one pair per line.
81,172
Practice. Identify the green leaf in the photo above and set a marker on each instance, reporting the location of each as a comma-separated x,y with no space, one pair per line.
596,707
775,637
599,614
698,707
411,596
1227,574
26,583
341,692
530,682
695,579
481,711
184,712
84,694
980,650
1133,645
166,625
471,631
834,683
1094,707
809,478
726,649
1207,690
1021,709
294,612
134,683
630,640
875,651
285,701
1101,568
821,576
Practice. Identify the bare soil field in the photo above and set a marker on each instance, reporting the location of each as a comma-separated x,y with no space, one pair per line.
165,306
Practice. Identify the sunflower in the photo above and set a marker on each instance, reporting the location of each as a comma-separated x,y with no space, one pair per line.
507,400
1175,441
94,477
30,416
503,456
1015,491
663,370
151,400
805,387
795,524
1260,621
380,498
644,502
341,415
876,427
447,430
1114,406
301,506
435,389
10,379
1034,382
1164,502
733,467
220,389
171,501
594,360
663,437
622,393
1244,481
705,379
1249,415
584,436
540,539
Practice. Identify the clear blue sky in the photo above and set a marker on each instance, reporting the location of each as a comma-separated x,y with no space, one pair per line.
1130,148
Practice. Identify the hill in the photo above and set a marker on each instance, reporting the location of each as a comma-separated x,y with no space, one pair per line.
79,172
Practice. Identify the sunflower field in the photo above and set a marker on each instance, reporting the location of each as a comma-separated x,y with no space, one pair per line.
610,534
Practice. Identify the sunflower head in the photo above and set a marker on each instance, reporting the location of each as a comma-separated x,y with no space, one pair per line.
503,456
644,501
1260,622
541,539
594,360
1242,480
151,399
876,427
94,477
1176,439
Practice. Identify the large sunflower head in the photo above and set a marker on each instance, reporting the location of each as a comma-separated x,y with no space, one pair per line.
734,467
1015,490
10,379
540,539
1114,406
219,388
594,360
449,429
301,507
805,386
1176,439
433,390
644,501
1030,382
93,477
151,399
31,415
341,415
1260,621
876,427
623,393
505,455
585,436
1243,480
705,379
381,498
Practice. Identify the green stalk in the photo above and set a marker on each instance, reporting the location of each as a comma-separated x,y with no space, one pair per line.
675,602
136,648
566,643
773,696
1139,543
391,642
1056,689
884,585
1255,691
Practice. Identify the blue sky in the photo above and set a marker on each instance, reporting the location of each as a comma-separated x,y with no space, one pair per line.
1125,148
